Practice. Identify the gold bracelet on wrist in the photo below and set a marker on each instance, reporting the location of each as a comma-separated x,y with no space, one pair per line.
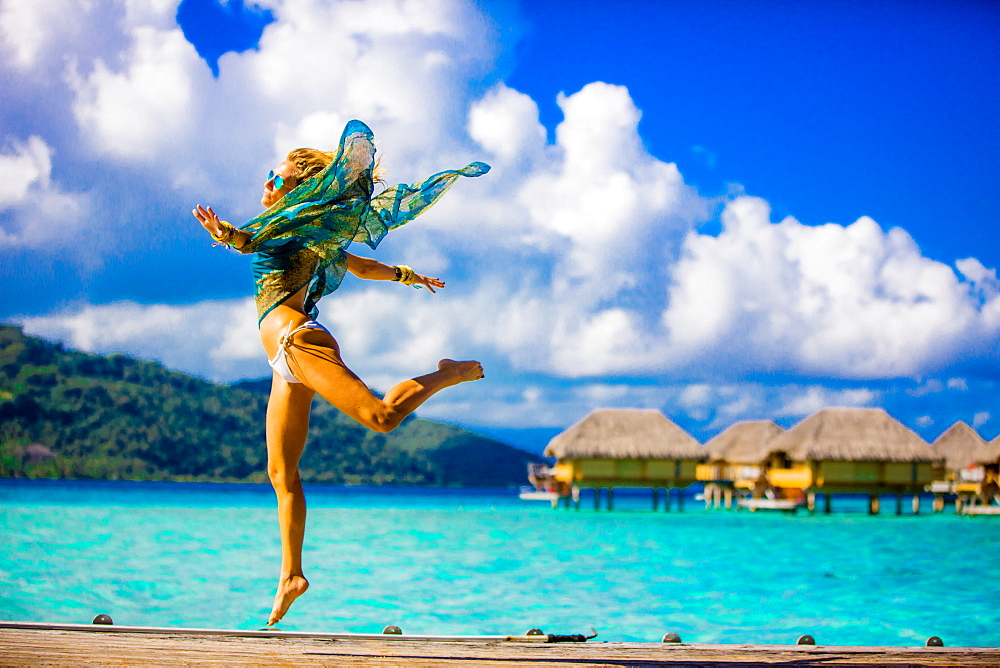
405,275
225,237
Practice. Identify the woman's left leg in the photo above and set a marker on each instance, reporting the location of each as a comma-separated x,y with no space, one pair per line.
287,427
314,358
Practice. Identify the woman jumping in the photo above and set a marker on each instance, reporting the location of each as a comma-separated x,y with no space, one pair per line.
317,204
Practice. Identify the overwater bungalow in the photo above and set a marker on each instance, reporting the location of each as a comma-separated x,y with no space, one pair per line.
991,458
985,499
737,459
962,447
851,450
624,448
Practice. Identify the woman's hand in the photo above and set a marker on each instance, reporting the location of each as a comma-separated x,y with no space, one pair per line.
428,282
209,220
220,230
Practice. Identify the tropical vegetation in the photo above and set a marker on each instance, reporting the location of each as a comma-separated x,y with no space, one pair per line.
69,414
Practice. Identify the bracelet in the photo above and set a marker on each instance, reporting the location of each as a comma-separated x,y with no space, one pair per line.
405,275
225,237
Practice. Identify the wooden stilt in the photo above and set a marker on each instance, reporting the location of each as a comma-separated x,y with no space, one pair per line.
873,504
916,504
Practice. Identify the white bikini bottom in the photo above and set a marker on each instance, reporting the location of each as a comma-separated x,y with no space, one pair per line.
280,361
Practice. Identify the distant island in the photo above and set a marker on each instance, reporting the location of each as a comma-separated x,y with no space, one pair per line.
68,414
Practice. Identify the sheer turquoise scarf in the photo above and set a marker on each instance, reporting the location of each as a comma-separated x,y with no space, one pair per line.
324,214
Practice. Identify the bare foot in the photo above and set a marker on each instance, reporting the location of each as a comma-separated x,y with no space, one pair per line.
463,371
288,590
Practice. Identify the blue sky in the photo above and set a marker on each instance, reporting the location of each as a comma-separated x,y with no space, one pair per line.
723,210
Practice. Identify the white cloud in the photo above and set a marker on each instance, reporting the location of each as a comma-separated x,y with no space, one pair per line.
929,386
958,384
816,398
505,123
848,301
37,39
569,240
844,301
402,66
980,418
975,272
29,166
34,212
154,13
147,107
29,27
213,339
604,196
697,400
985,289
505,403
697,395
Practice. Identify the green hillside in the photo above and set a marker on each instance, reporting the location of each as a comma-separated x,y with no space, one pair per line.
67,414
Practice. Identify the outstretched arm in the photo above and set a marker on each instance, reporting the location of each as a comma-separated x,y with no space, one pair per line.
373,270
220,230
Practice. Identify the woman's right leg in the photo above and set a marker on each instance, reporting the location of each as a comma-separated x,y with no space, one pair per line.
315,360
287,426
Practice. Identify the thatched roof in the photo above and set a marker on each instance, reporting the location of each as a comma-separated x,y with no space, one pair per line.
744,442
960,446
991,453
852,434
630,433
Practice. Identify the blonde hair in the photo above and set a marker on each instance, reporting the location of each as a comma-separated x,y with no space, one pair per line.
310,161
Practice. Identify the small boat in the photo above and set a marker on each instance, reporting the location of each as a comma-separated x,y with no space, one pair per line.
532,494
770,504
980,510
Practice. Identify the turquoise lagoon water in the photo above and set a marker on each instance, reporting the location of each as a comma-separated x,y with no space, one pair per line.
452,561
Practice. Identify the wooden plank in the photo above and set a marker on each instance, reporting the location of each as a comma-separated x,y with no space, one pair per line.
58,646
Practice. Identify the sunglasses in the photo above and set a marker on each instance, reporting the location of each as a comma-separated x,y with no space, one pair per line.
279,180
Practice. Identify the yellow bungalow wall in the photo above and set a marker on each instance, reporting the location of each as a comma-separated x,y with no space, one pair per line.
625,472
801,475
859,474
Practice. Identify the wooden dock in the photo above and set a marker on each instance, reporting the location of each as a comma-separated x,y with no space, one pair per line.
34,644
